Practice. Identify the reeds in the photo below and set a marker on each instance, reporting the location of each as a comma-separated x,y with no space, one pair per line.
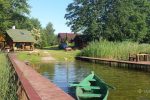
7,86
114,50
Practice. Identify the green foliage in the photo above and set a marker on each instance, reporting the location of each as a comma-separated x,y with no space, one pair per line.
115,20
29,24
48,37
114,50
7,84
12,12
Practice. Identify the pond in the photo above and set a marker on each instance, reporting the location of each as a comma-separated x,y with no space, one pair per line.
129,84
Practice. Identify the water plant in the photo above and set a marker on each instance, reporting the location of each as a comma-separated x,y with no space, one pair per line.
114,50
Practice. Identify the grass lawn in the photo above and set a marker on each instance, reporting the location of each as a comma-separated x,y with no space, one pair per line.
62,55
59,55
25,56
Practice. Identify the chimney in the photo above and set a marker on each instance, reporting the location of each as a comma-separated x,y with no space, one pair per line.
13,27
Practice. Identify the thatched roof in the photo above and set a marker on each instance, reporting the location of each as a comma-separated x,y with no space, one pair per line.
18,35
66,36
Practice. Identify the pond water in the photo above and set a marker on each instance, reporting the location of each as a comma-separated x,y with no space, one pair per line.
129,84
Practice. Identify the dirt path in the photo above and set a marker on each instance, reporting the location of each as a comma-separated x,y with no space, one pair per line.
47,57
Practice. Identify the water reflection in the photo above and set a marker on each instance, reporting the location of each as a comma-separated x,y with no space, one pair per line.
130,85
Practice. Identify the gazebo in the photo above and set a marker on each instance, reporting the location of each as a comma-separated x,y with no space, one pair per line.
18,39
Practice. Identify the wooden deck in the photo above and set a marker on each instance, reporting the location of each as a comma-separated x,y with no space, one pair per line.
145,65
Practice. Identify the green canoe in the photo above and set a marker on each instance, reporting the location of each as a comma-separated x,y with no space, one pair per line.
92,88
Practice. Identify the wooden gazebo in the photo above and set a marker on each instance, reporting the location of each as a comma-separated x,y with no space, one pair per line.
18,39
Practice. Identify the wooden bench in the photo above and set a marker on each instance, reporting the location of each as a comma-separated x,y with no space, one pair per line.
89,95
132,57
89,88
143,55
136,57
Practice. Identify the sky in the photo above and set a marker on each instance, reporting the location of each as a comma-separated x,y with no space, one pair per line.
50,11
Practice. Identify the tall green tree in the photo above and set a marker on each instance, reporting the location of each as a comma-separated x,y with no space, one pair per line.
12,12
115,20
49,34
29,24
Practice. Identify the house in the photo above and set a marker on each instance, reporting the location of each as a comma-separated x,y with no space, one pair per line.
63,37
80,41
18,39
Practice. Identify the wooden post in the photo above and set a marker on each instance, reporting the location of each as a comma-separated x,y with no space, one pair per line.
14,46
23,44
137,58
32,46
110,63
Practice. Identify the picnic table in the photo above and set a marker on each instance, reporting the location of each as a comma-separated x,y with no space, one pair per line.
144,56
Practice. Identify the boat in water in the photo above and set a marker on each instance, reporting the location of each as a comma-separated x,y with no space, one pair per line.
92,88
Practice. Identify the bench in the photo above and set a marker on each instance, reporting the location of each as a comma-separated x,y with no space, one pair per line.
132,57
143,55
136,57
89,88
89,95
92,80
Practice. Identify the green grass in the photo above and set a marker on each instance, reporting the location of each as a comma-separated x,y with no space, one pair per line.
25,56
61,55
7,86
114,50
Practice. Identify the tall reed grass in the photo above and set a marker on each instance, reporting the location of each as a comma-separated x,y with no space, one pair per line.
7,86
114,50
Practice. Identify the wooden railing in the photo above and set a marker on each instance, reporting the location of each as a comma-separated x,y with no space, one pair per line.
32,86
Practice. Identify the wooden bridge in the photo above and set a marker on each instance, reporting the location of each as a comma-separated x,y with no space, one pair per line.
140,65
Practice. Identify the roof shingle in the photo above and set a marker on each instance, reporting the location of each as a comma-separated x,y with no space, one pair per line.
18,35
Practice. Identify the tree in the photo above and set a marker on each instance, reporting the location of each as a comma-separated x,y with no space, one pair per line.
29,24
12,12
115,20
48,34
36,33
83,16
126,20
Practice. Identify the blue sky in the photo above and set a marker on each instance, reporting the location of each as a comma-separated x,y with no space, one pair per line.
50,11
